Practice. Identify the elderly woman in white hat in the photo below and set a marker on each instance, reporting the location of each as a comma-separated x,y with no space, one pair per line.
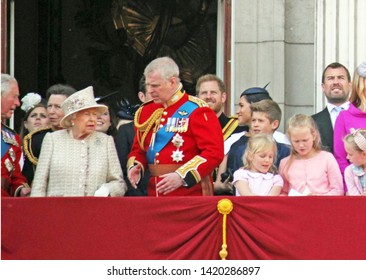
79,161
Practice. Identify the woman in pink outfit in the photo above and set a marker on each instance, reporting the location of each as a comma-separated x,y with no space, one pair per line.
354,117
308,170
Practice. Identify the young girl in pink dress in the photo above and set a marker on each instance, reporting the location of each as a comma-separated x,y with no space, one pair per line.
355,173
308,170
257,176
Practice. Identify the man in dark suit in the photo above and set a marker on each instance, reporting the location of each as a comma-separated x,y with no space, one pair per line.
124,141
336,86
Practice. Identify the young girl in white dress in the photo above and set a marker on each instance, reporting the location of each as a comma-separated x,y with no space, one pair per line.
258,175
355,173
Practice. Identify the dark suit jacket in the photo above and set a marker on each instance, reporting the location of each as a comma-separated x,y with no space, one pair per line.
325,127
32,145
124,140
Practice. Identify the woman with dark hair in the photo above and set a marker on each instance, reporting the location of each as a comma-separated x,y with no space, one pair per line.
36,116
107,122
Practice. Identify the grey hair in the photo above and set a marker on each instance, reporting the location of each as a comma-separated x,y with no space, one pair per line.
60,89
6,81
165,66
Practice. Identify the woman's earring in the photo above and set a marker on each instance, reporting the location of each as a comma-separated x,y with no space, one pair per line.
72,123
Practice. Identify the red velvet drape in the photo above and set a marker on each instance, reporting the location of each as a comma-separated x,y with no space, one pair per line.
183,228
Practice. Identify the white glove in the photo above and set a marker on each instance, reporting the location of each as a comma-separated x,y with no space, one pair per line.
102,191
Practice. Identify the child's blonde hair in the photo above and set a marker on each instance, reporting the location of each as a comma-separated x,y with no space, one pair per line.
260,143
356,139
302,121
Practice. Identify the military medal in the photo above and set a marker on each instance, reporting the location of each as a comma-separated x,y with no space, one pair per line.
177,125
177,156
9,166
12,154
177,141
168,124
9,138
183,124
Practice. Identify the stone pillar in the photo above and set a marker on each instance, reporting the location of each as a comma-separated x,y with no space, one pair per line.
289,43
340,36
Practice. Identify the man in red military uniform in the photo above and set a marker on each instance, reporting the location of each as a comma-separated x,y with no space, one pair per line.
178,137
13,183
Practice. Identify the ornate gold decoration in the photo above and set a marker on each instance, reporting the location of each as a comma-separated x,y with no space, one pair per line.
198,101
27,145
191,166
144,128
224,206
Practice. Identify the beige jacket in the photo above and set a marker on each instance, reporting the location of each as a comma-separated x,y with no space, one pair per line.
70,167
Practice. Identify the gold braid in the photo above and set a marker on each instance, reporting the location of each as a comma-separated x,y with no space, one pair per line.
27,145
145,127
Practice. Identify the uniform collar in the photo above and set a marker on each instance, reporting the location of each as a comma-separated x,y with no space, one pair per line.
178,94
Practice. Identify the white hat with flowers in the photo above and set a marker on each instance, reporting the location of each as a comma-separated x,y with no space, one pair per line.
78,101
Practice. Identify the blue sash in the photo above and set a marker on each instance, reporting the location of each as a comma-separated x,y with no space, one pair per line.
4,146
162,137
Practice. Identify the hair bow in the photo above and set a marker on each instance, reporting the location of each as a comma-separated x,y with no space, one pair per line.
360,140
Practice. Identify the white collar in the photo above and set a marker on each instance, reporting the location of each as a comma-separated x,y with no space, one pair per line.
344,106
266,176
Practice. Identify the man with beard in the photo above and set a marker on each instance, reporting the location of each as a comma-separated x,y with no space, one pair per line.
211,89
336,86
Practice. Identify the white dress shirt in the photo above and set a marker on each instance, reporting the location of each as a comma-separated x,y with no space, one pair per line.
333,112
